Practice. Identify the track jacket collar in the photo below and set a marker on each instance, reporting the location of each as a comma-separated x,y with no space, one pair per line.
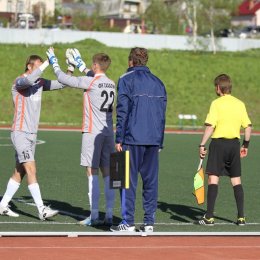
143,68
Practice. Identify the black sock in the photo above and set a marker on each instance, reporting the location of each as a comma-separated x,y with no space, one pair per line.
211,198
239,196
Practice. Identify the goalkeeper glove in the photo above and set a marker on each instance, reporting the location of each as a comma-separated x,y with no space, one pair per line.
70,60
80,64
53,59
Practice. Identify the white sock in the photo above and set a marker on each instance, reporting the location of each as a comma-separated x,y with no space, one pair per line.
110,198
90,182
94,194
11,189
36,194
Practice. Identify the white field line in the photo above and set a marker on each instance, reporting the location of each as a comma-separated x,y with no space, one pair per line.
10,144
62,212
156,224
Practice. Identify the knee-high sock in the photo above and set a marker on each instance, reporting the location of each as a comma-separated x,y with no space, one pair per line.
211,199
110,198
90,182
239,196
94,194
36,194
11,189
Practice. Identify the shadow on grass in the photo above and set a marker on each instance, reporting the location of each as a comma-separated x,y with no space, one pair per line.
65,209
184,213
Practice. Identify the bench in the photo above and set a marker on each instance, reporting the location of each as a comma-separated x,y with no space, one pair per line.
193,118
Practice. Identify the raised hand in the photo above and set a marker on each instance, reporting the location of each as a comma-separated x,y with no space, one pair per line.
80,64
52,59
70,60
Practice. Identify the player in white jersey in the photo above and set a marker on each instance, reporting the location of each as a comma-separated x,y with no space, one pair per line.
97,127
27,92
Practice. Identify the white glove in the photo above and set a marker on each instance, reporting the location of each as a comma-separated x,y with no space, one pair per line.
70,60
52,59
80,64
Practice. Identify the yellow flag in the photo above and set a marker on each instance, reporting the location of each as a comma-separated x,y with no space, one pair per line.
199,190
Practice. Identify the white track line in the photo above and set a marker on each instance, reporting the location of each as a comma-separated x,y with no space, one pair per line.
125,234
132,247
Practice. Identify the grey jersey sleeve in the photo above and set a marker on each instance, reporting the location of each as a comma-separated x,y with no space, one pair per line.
26,82
72,81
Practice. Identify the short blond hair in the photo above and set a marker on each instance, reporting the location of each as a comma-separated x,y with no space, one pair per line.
103,60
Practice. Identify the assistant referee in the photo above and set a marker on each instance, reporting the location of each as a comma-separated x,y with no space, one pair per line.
226,116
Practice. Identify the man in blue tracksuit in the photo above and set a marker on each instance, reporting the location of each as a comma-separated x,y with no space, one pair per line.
141,106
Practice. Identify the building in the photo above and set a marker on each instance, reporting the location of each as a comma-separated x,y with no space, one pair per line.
125,14
248,14
10,10
127,9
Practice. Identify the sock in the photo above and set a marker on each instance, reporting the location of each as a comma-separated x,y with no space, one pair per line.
211,199
110,198
11,189
239,196
94,194
36,194
90,181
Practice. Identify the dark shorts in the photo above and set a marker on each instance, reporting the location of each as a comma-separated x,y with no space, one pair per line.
224,158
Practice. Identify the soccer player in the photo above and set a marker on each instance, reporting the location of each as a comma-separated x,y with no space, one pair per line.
141,106
27,93
226,116
97,127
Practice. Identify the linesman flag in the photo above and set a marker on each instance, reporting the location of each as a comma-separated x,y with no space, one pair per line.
199,190
119,170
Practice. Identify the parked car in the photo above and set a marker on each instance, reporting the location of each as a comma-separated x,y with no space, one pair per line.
249,32
222,33
26,21
225,33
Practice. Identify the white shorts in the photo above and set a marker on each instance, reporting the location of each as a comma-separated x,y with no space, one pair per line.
24,145
96,150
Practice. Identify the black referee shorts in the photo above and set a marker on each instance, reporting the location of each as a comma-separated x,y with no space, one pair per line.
224,158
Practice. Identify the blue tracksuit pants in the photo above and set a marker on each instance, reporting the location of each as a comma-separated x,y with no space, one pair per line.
143,159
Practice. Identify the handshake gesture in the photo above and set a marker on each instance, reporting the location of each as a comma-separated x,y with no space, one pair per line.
73,59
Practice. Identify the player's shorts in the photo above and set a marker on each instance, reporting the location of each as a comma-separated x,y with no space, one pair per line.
96,150
224,158
24,145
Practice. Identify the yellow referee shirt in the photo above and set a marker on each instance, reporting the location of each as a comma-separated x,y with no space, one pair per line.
227,114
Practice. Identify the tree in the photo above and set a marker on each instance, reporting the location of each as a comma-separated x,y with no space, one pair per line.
156,15
205,16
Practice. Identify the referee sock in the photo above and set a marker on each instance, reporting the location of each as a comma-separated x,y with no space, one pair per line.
94,194
11,189
110,197
239,196
36,194
211,199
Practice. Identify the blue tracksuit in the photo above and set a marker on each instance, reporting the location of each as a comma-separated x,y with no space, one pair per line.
141,106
